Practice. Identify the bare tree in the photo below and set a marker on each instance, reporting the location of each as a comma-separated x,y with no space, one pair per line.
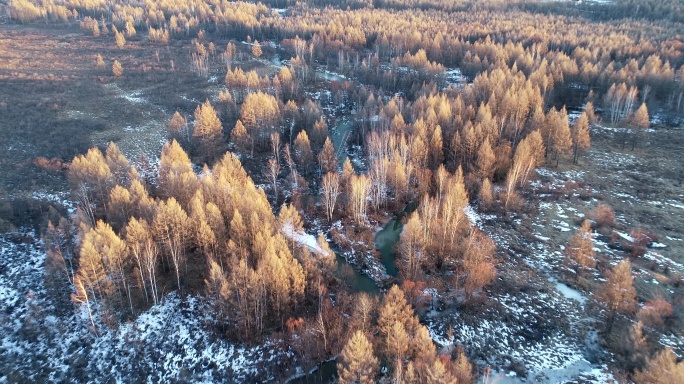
275,145
359,189
170,225
272,172
331,186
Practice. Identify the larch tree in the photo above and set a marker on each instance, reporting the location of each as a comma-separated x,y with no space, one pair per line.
275,145
217,287
330,188
590,112
411,248
478,262
560,137
358,364
438,374
580,251
91,272
436,156
581,140
171,228
260,114
290,222
319,133
117,69
91,180
242,140
201,232
112,252
463,369
80,296
177,127
397,346
618,296
639,123
248,297
452,212
327,158
485,160
272,172
485,196
120,206
119,39
345,178
208,130
118,165
176,177
663,368
99,61
365,306
303,153
256,49
138,237
359,188
326,256
394,309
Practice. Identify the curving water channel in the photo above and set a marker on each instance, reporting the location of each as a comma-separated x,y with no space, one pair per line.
385,242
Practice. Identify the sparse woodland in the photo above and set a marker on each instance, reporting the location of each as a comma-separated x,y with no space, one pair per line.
255,194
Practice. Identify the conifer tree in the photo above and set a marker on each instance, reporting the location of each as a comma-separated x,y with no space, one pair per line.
171,228
327,158
581,141
177,127
290,222
243,142
208,130
618,296
141,244
118,165
661,369
303,153
639,122
117,69
486,197
478,262
330,189
101,243
359,188
581,248
560,138
357,363
411,248
119,39
256,49
485,160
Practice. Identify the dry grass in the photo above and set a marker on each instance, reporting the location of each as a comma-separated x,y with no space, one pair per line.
56,103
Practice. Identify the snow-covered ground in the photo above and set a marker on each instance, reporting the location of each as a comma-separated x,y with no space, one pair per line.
170,342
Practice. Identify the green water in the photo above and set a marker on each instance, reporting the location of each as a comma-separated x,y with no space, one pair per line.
357,282
386,242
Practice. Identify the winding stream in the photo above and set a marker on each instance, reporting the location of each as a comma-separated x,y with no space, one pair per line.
385,242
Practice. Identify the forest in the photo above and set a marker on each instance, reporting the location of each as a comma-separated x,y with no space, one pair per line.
353,191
